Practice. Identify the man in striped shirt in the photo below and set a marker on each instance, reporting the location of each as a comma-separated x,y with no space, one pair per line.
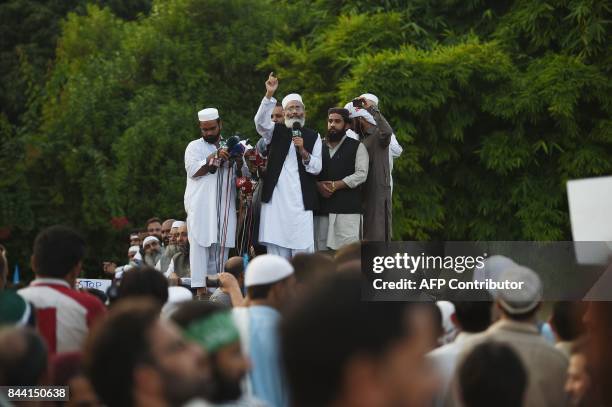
63,314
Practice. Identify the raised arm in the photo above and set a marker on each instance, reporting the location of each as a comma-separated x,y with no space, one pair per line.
384,129
263,124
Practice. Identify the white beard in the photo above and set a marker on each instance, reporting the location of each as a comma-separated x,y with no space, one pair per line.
289,122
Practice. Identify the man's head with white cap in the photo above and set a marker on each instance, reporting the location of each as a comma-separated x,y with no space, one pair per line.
520,304
210,124
362,120
174,231
269,280
293,106
372,98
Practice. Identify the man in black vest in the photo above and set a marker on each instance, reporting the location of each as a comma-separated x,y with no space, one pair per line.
345,168
289,193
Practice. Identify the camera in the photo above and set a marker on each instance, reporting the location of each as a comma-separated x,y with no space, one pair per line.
357,102
213,282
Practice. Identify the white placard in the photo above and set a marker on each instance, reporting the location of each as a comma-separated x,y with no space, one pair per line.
97,283
590,206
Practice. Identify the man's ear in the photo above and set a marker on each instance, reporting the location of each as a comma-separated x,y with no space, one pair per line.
33,263
76,271
220,124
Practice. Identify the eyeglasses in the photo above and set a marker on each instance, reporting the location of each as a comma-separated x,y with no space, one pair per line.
295,109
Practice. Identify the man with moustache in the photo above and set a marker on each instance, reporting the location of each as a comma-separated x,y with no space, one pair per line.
210,200
171,247
289,193
152,251
180,266
345,168
165,231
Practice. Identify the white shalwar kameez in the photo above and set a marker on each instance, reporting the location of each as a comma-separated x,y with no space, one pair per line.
286,227
206,213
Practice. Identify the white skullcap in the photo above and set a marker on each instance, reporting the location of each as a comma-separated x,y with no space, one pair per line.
359,112
134,236
176,296
523,300
177,224
494,266
291,97
370,97
210,113
267,269
133,249
149,239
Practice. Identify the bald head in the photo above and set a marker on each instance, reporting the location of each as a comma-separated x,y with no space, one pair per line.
234,266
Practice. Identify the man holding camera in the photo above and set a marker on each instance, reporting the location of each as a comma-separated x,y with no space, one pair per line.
289,193
375,133
210,199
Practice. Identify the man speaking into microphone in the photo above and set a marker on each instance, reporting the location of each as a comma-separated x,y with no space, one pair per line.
289,193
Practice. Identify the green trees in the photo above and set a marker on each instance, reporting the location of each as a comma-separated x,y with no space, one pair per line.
496,103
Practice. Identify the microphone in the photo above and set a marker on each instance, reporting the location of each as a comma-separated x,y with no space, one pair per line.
295,132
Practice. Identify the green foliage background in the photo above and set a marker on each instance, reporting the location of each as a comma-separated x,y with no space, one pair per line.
496,103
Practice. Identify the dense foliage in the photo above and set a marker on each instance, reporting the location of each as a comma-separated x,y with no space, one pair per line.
496,103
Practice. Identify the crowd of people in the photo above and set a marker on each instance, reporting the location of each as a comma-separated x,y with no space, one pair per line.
255,298
294,332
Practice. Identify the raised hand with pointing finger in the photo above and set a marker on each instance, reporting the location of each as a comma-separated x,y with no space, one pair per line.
271,85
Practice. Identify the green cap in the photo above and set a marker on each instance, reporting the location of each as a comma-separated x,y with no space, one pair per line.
214,332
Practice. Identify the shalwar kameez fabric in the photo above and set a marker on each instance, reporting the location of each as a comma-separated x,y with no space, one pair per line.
289,187
210,203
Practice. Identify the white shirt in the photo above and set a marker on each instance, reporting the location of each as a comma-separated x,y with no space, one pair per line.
445,360
284,221
207,208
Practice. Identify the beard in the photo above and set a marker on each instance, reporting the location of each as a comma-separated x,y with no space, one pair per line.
290,120
184,248
223,388
212,139
335,135
179,390
171,250
152,258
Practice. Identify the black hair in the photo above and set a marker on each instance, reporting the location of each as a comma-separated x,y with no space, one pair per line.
191,311
259,292
482,387
152,220
117,347
25,368
310,266
57,250
330,327
144,281
566,319
342,112
473,309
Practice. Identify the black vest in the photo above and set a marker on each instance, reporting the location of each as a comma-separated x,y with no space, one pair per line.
277,152
342,164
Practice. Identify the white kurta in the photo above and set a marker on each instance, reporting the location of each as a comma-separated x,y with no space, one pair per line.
205,212
284,221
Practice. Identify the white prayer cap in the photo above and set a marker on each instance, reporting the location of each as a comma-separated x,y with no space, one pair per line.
291,97
370,97
176,296
520,301
210,113
494,266
267,269
359,112
134,236
149,239
134,249
177,224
